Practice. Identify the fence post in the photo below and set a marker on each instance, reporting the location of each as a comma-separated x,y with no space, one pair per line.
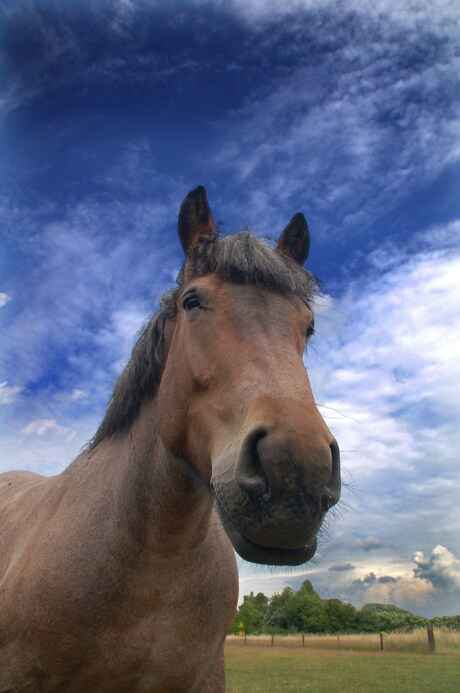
431,641
273,637
303,640
381,641
245,637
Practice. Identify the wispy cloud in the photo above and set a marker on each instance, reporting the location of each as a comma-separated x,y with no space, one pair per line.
9,393
368,119
341,567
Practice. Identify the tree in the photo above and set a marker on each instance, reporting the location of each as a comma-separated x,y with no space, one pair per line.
250,617
312,613
341,617
305,611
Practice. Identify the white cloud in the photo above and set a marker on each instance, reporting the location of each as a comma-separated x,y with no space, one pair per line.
402,590
389,385
9,393
404,12
384,366
77,395
4,299
363,125
441,568
42,427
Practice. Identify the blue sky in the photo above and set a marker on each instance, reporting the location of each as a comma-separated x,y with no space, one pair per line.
112,111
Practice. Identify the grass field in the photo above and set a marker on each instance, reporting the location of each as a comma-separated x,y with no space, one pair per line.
357,667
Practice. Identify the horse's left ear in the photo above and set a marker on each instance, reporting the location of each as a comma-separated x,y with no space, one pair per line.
295,239
195,218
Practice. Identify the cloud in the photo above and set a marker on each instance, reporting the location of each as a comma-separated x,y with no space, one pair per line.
372,579
365,122
342,567
386,383
77,395
81,286
42,427
370,544
385,372
403,590
441,568
405,12
8,394
351,112
4,299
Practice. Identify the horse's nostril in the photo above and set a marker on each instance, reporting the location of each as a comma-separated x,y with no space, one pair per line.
332,492
249,473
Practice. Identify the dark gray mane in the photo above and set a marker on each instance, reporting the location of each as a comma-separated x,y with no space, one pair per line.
239,258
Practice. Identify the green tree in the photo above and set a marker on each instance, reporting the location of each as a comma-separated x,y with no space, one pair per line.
312,615
282,612
341,617
250,616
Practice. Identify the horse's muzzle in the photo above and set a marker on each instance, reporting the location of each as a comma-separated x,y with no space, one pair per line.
274,502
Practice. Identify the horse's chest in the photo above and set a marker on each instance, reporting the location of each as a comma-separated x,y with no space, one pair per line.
175,643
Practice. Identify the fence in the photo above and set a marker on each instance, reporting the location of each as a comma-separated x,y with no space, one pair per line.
421,640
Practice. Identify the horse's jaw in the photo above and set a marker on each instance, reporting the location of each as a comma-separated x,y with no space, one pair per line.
268,555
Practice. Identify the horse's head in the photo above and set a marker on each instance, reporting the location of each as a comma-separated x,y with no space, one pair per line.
235,400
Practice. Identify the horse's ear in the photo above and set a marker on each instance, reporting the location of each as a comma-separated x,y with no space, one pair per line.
295,239
195,218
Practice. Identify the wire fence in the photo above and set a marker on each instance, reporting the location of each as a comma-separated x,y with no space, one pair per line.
422,640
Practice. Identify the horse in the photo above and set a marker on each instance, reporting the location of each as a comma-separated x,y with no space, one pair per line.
119,574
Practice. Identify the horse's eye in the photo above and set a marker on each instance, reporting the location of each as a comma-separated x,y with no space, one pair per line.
310,331
191,302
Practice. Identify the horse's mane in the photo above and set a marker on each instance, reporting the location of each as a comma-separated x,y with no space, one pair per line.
241,258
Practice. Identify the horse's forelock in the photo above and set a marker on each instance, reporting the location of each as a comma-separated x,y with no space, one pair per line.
245,258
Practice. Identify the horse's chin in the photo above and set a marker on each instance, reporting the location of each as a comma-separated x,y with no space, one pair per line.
269,555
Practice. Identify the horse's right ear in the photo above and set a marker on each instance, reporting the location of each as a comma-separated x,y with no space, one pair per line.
195,218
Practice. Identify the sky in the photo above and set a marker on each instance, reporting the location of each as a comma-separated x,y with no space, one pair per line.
347,111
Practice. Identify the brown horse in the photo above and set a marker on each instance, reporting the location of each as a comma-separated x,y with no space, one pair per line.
117,575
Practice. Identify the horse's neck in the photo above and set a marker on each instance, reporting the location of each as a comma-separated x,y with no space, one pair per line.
139,486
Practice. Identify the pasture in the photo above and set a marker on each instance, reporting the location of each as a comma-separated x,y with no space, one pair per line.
350,664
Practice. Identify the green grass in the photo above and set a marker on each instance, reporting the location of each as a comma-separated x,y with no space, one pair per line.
256,669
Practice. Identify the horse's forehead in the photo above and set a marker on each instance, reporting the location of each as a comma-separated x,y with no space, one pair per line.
220,286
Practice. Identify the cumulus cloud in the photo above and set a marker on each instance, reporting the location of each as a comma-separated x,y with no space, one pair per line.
401,589
441,568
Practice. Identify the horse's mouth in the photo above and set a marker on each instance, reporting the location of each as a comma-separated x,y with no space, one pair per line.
263,554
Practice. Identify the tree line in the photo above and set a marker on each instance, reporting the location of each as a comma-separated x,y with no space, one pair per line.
303,611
